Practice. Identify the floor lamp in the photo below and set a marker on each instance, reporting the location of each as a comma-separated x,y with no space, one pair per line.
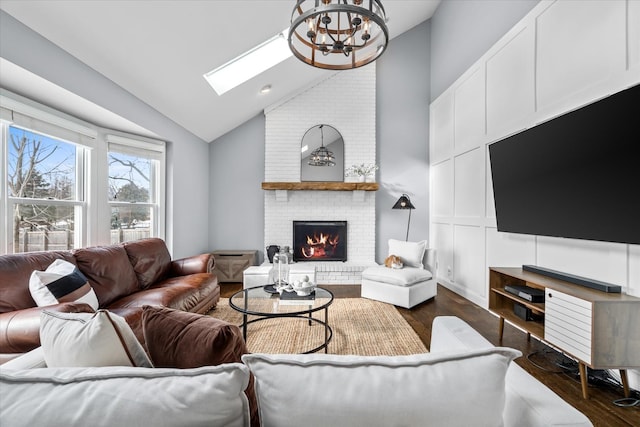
405,203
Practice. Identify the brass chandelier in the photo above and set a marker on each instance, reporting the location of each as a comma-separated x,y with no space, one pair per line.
338,34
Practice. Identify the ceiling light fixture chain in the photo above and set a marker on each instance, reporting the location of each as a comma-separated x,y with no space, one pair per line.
347,33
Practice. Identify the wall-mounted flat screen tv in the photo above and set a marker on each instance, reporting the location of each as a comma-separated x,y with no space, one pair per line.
575,176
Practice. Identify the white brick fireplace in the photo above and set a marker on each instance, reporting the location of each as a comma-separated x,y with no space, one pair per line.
346,101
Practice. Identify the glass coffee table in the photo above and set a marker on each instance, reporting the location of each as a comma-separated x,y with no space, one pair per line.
265,305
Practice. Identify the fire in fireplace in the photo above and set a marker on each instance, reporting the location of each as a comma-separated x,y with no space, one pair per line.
319,240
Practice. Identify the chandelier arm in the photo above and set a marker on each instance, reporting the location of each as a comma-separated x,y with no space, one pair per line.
328,32
318,25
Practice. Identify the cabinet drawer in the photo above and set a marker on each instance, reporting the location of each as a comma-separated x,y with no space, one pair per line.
568,324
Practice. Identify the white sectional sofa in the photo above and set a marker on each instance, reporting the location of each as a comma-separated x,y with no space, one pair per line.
463,381
528,401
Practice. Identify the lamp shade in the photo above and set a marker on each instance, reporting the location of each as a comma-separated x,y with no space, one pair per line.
403,203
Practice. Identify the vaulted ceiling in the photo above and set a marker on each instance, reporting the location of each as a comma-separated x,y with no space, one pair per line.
159,50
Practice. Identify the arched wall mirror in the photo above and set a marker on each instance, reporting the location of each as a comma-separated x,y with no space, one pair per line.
315,163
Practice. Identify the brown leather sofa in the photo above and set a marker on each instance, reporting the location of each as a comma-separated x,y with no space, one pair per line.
124,277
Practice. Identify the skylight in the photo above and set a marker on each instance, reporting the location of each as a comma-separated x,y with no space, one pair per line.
250,63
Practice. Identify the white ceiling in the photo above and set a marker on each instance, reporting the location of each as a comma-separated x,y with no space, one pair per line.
158,50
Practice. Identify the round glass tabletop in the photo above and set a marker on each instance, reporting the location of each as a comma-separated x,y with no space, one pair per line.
258,301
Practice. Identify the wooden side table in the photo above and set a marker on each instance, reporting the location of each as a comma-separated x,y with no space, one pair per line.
230,264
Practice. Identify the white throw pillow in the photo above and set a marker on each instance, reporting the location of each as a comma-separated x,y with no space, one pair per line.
411,253
61,282
443,389
89,339
123,396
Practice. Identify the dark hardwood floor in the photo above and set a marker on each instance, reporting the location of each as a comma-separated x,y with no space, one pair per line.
545,364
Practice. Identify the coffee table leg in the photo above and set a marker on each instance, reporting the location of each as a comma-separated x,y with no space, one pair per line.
310,315
326,329
244,316
244,327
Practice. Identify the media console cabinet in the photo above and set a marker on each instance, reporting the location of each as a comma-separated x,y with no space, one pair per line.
598,329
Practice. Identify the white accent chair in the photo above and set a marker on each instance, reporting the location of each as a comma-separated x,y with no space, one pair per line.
405,287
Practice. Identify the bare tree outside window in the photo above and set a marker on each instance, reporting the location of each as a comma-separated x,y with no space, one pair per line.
41,173
130,196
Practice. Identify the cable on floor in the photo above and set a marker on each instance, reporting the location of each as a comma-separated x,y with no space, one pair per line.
595,377
627,402
544,353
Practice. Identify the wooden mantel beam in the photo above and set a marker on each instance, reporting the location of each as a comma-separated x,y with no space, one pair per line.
321,186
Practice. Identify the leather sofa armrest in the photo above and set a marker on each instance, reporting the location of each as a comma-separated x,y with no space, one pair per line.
20,329
203,263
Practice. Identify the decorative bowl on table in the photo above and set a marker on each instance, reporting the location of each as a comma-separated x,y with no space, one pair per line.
303,288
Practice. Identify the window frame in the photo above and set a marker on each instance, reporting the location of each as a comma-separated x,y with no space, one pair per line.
155,151
93,144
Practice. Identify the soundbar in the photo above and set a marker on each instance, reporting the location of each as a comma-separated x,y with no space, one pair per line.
578,280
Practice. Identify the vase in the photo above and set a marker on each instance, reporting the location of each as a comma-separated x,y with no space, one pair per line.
271,251
279,273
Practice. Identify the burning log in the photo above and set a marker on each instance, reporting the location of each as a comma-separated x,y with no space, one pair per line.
320,246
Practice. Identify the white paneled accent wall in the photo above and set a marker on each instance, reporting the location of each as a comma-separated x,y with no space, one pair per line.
559,57
346,101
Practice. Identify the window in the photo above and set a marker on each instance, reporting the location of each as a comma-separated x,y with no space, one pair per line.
135,188
249,64
45,203
66,184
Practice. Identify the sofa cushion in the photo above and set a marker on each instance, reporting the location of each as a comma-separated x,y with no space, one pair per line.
400,277
452,389
61,282
181,293
30,360
125,396
411,253
16,269
150,260
109,272
89,339
177,339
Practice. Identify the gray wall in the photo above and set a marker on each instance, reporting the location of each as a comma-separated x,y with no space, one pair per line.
402,115
461,31
187,159
236,170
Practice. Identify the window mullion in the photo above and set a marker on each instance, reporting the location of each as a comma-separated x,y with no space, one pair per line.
45,202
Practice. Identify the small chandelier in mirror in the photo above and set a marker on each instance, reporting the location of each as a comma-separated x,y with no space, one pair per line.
338,34
321,156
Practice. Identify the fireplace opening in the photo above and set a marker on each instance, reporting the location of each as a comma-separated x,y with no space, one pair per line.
319,240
